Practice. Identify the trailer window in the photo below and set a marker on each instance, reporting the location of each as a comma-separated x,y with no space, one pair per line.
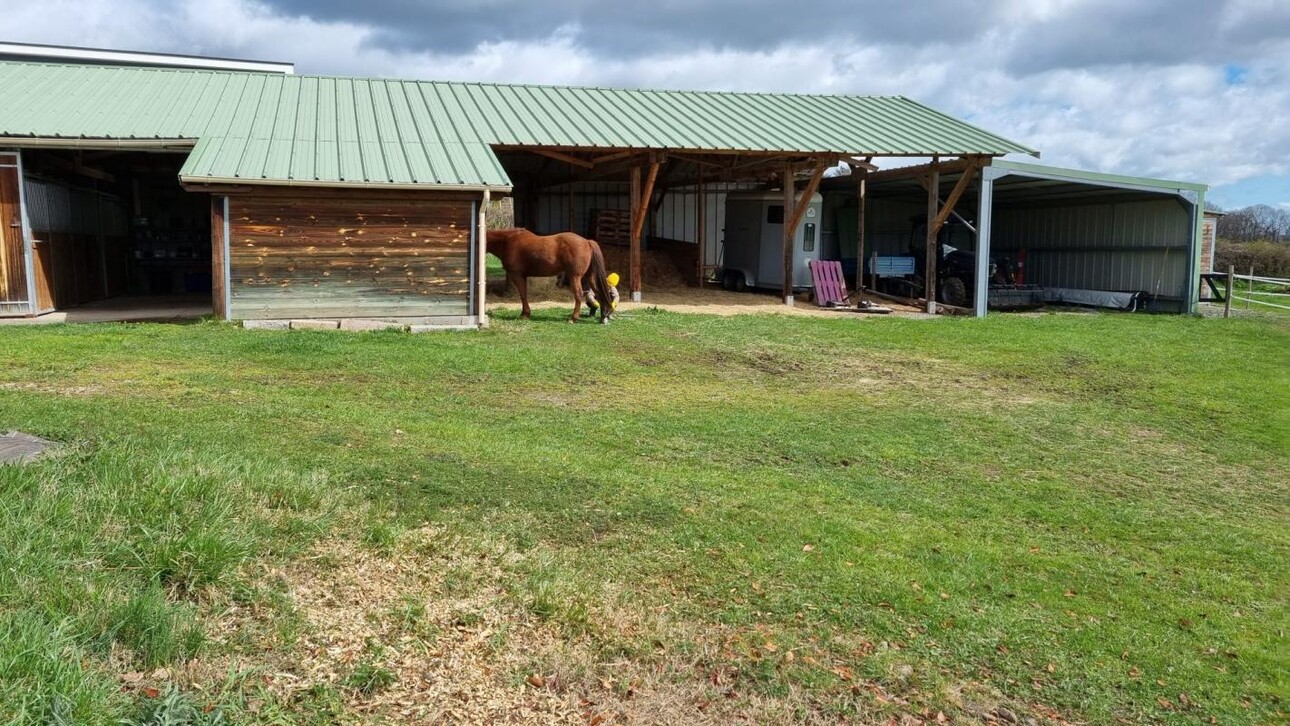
775,214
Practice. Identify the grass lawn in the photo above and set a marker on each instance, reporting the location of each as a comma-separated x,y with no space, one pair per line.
673,518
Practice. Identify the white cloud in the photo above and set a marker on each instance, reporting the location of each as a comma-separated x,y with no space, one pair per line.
1175,120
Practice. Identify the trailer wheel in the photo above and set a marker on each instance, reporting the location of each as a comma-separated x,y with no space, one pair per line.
741,282
954,292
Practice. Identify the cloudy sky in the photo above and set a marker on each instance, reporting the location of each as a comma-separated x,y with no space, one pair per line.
1196,90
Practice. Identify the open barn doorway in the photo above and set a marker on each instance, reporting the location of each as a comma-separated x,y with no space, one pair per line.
114,236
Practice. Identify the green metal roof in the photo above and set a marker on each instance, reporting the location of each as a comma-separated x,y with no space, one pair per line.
322,130
1094,177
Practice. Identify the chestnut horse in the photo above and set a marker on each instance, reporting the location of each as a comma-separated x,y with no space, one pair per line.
526,255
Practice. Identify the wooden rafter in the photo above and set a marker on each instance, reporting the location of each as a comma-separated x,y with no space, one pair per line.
701,161
643,203
955,194
77,167
666,178
606,158
566,158
812,184
932,183
616,167
906,172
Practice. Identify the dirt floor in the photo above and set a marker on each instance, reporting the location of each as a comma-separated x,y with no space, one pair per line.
126,308
543,294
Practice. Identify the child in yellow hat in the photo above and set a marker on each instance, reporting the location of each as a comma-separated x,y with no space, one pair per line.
589,297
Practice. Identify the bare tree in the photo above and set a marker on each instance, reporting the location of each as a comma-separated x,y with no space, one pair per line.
1256,223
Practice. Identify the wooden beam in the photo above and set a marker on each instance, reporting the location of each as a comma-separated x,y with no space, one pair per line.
664,184
955,194
791,221
640,207
786,289
566,158
929,268
74,166
864,163
862,199
218,262
481,264
612,168
701,161
906,172
812,184
606,158
700,208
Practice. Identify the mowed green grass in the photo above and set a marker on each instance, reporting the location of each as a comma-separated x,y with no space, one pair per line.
1082,512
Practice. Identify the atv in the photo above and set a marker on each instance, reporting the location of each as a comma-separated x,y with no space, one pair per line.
956,268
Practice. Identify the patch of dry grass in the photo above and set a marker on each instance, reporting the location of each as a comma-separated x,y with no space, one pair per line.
470,630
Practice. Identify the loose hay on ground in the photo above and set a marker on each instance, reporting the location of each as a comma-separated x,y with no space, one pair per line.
478,655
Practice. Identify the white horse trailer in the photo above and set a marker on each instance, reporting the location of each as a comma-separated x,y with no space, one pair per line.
753,252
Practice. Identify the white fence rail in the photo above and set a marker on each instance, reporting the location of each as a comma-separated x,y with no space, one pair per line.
1249,297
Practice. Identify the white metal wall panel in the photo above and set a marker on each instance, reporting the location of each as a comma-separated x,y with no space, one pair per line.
57,208
1122,246
676,218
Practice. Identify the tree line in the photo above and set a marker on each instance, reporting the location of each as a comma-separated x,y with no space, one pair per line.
1255,224
1254,238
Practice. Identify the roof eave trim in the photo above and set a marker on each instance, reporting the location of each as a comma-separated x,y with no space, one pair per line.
1079,176
56,142
320,184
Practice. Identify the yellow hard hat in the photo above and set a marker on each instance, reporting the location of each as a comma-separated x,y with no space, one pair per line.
613,279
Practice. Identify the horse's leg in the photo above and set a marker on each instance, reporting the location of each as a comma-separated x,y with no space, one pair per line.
575,282
521,284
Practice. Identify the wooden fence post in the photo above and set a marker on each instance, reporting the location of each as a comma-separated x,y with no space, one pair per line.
1249,295
1227,299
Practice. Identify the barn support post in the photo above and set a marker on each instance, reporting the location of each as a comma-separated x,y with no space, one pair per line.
641,199
789,230
633,252
1231,288
1191,291
481,264
700,207
228,271
861,198
929,267
984,220
219,256
28,242
794,210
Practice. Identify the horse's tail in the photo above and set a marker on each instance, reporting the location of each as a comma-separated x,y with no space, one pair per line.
600,279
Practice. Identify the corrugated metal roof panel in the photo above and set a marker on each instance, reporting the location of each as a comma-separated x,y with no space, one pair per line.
295,129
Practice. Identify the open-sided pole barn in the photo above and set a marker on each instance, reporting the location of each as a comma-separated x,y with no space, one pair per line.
1075,236
331,197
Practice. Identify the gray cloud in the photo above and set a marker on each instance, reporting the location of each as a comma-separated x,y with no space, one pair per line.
1143,87
1149,32
626,29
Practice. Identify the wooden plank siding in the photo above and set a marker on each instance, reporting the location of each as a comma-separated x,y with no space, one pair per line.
13,266
341,254
219,265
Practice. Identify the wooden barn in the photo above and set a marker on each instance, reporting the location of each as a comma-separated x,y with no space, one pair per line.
278,196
